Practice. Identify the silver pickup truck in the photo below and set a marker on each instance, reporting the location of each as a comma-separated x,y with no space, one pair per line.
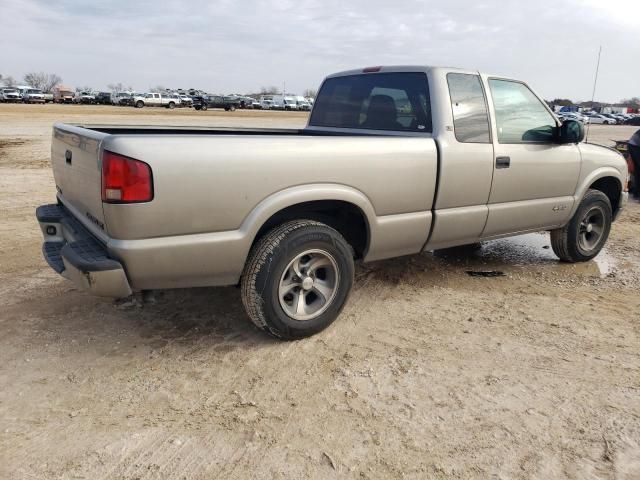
394,161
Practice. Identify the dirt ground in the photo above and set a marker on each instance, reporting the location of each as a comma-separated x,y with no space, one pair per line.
428,373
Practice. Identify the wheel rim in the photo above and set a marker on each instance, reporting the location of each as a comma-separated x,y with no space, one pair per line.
309,285
591,229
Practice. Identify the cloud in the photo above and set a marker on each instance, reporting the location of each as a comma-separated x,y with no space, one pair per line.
231,46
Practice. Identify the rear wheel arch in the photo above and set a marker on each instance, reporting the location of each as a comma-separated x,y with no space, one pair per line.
345,217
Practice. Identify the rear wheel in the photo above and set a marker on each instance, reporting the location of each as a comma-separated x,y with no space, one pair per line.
297,279
171,105
587,231
139,104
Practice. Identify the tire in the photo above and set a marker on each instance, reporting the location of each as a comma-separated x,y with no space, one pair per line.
271,291
587,231
232,108
204,108
171,106
139,104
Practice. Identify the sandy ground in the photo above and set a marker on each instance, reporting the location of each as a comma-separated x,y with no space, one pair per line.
429,373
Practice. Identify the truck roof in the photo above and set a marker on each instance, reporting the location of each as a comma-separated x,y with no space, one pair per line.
401,68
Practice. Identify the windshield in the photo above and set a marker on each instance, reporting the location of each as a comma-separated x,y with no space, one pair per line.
10,90
381,101
33,90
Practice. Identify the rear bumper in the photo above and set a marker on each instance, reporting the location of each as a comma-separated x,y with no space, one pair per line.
78,256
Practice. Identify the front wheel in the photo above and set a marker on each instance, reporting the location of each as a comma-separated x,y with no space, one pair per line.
204,108
297,279
587,231
139,104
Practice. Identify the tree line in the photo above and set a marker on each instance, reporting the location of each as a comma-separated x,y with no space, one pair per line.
47,81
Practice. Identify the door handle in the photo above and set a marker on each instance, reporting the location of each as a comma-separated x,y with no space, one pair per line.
503,162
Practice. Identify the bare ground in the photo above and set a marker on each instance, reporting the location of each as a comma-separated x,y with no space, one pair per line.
429,373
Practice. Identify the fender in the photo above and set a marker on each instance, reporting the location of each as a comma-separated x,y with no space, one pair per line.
384,242
595,175
300,194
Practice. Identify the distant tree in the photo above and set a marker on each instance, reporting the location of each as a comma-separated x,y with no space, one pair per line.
42,81
310,92
633,102
158,89
563,102
9,81
84,88
116,87
269,90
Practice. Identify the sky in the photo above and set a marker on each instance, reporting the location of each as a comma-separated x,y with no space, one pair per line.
239,46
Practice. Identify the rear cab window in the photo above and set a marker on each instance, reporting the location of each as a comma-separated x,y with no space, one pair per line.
469,108
375,101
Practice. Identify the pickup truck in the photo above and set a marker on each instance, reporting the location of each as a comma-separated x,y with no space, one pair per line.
394,161
33,95
156,100
203,102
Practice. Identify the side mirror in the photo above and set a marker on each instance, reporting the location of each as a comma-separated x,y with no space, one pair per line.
571,131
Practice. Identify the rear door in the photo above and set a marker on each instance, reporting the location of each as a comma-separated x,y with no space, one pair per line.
534,178
466,161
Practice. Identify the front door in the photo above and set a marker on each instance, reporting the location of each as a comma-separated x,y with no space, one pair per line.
534,178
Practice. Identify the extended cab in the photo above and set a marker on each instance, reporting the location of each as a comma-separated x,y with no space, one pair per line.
394,161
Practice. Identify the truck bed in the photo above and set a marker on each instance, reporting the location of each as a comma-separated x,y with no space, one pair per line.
216,186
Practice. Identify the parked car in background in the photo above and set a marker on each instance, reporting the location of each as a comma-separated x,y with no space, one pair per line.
283,102
284,213
614,118
635,121
245,102
185,101
84,97
205,102
156,100
122,99
33,95
63,94
596,118
10,95
303,103
573,116
103,98
267,102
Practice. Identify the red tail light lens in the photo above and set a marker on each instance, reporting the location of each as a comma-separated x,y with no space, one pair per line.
125,180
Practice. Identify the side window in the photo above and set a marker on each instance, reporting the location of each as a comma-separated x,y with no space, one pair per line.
520,116
377,101
469,107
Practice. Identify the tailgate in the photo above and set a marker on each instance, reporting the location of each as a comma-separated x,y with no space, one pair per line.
75,158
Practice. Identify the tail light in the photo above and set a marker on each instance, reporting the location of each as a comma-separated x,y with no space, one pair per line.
125,180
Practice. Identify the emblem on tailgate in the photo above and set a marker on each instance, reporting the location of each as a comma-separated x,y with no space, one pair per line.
95,221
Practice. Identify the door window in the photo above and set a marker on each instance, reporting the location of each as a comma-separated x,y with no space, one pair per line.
520,115
469,106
